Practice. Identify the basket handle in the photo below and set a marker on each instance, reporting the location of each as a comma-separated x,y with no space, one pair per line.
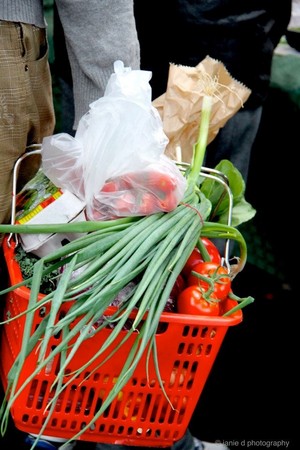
221,178
37,151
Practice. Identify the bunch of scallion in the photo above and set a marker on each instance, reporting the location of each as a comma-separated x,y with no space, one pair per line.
152,249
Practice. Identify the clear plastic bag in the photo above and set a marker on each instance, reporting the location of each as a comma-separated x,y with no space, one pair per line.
121,141
62,162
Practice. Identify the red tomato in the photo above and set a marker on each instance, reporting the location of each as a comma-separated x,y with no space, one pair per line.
212,250
196,257
191,301
161,182
227,305
110,186
221,285
124,205
148,204
169,202
132,180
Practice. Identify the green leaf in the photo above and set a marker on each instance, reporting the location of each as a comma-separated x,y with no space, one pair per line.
242,211
236,181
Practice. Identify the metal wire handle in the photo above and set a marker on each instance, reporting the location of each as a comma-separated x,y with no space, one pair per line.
221,178
38,151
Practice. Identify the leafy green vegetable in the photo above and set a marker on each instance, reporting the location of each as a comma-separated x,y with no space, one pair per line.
242,210
26,263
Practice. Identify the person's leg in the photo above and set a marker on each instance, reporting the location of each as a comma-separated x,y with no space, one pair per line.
67,113
235,141
62,71
26,105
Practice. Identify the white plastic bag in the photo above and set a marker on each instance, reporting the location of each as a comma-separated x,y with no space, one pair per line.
120,137
62,162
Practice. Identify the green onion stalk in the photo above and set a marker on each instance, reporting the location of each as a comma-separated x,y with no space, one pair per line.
151,249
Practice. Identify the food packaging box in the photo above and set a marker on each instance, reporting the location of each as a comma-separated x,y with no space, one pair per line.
41,202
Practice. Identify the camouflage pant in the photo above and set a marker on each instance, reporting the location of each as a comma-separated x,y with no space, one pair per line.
26,104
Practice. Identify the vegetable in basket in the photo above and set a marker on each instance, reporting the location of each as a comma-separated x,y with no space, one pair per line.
152,249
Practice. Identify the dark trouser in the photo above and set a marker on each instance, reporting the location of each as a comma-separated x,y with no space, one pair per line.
235,141
26,104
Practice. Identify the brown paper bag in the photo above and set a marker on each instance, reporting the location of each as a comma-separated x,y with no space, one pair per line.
180,106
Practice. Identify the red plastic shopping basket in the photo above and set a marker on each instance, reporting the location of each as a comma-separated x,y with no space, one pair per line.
141,414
